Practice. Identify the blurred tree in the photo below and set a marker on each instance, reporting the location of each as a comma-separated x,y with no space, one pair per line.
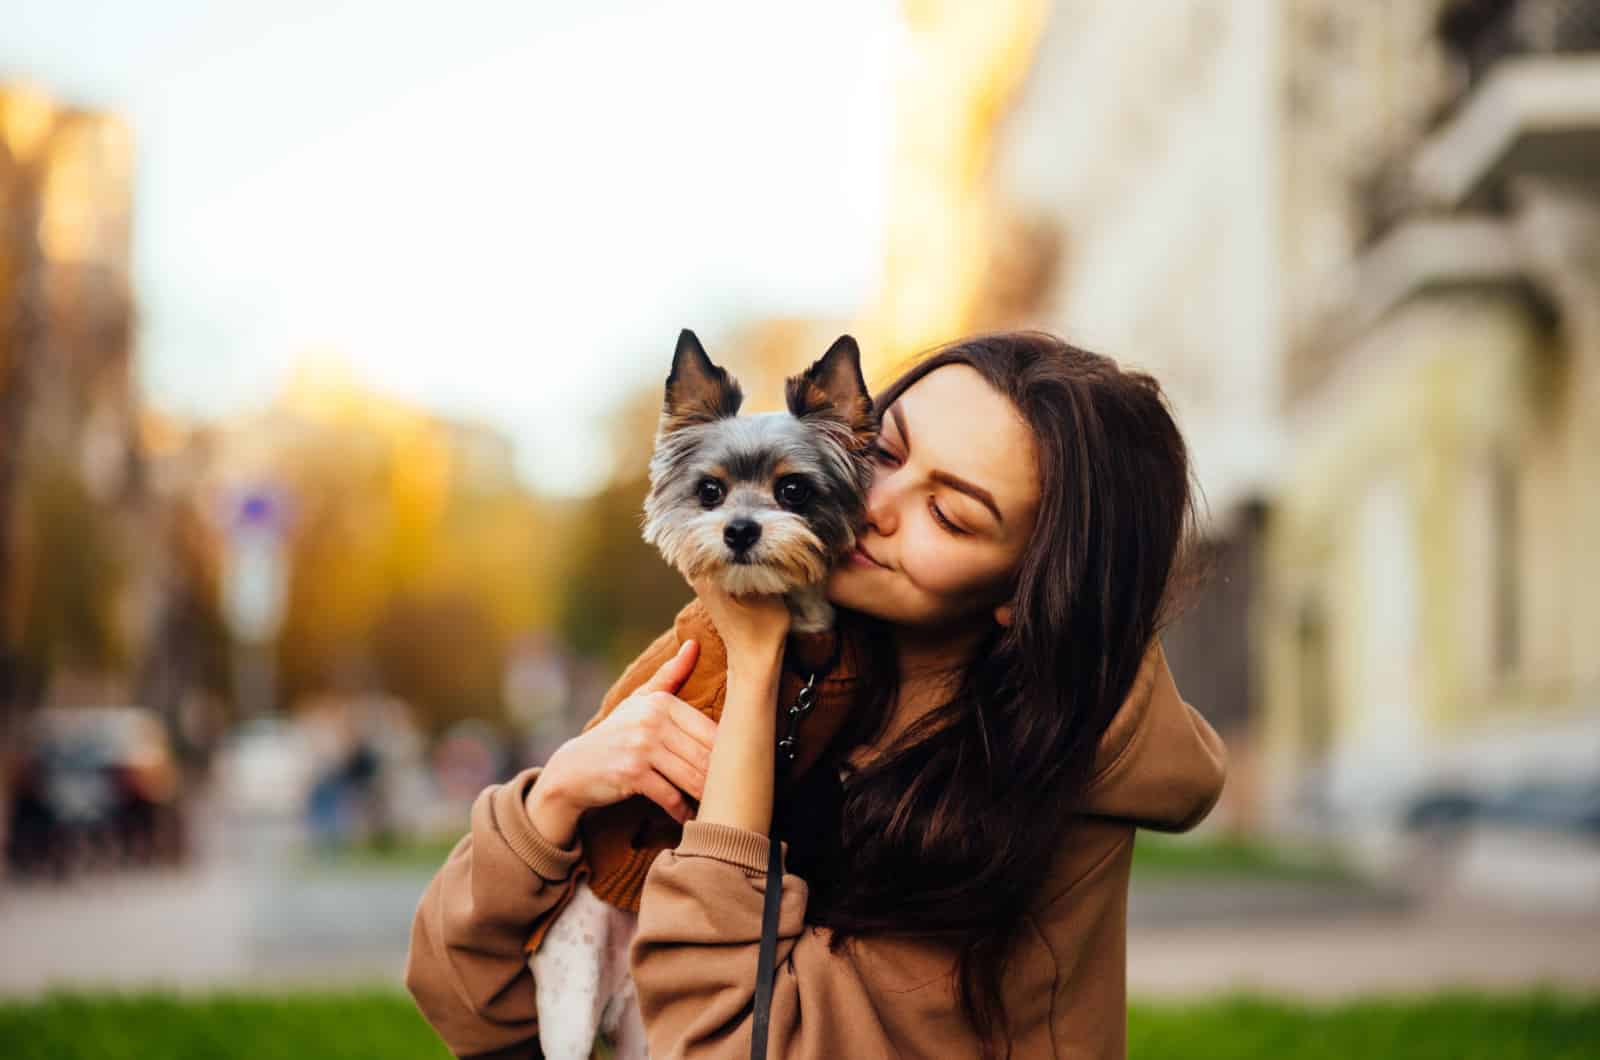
339,553
505,548
620,594
404,523
616,593
442,652
69,557
189,646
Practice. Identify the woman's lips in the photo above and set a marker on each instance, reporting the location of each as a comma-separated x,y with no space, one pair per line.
857,556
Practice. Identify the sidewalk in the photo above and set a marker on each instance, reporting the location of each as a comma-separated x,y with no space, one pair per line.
1349,951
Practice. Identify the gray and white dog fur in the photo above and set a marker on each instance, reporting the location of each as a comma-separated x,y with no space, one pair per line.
769,502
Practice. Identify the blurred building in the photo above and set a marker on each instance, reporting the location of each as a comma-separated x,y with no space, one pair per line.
1355,244
71,489
1147,143
1429,614
1135,176
958,68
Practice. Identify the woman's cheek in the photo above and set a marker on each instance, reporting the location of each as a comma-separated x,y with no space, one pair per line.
953,574
935,569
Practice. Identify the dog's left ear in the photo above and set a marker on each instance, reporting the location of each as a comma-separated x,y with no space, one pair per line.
833,387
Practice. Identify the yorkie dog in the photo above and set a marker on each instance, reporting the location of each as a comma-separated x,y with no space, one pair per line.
764,503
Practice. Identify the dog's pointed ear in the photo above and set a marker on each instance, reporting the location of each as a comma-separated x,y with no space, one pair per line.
833,386
697,390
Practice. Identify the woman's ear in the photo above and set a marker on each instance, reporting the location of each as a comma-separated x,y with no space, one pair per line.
1002,614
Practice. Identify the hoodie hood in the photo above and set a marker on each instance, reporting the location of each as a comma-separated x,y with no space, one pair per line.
1160,764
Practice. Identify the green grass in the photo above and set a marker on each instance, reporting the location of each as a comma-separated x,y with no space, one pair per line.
401,855
1158,857
1155,857
383,1024
368,1024
1457,1025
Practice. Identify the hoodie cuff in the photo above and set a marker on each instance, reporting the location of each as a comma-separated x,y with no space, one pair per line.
725,842
551,863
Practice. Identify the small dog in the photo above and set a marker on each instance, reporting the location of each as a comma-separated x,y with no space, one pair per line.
766,503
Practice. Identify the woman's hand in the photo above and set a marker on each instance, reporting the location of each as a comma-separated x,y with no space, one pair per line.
752,626
653,744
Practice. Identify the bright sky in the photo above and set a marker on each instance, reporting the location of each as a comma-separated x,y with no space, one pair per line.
505,211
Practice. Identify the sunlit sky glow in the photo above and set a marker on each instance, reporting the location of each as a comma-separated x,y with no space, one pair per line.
504,211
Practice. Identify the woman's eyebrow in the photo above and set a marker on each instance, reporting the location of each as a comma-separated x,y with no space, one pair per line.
977,493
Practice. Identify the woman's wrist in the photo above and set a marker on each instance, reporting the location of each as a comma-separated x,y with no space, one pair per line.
739,780
756,667
551,815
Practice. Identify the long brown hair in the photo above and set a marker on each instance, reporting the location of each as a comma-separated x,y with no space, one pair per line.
951,830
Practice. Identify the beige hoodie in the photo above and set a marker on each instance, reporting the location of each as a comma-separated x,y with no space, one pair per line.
1160,765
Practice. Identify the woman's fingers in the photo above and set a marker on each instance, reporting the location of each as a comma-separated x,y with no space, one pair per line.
672,673
667,743
699,727
689,749
683,774
656,788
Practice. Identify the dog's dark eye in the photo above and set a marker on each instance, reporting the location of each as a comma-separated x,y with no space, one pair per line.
793,492
710,492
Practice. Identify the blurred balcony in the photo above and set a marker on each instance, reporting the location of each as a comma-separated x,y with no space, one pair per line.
1531,104
1482,33
1419,255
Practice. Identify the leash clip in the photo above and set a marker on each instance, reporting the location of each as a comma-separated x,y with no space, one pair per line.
804,700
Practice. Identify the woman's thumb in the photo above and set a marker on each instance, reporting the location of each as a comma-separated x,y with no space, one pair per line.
670,674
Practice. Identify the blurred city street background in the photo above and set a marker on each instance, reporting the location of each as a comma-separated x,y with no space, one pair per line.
332,338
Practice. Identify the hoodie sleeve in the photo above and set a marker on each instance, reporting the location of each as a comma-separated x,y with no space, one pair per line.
1160,764
467,966
694,958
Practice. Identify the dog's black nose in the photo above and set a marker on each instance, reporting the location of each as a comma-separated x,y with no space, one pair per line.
740,534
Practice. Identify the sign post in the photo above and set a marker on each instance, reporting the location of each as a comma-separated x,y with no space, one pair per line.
255,592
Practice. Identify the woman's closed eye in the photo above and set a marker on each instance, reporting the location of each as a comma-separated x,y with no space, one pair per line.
883,454
946,523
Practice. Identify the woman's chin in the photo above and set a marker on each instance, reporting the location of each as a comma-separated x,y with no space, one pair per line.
848,588
840,588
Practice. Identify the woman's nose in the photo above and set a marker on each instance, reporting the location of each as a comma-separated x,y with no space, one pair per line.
880,505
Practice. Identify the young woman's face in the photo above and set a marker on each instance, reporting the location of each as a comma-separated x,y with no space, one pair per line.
944,554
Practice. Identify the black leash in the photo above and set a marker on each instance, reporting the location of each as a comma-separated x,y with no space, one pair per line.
787,750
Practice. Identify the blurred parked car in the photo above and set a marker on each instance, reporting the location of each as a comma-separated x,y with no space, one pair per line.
1442,811
94,786
1566,807
1537,841
1569,807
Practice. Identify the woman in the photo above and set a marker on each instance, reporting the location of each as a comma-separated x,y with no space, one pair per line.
1025,533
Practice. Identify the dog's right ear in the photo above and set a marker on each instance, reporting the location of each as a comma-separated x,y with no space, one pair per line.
697,390
833,387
